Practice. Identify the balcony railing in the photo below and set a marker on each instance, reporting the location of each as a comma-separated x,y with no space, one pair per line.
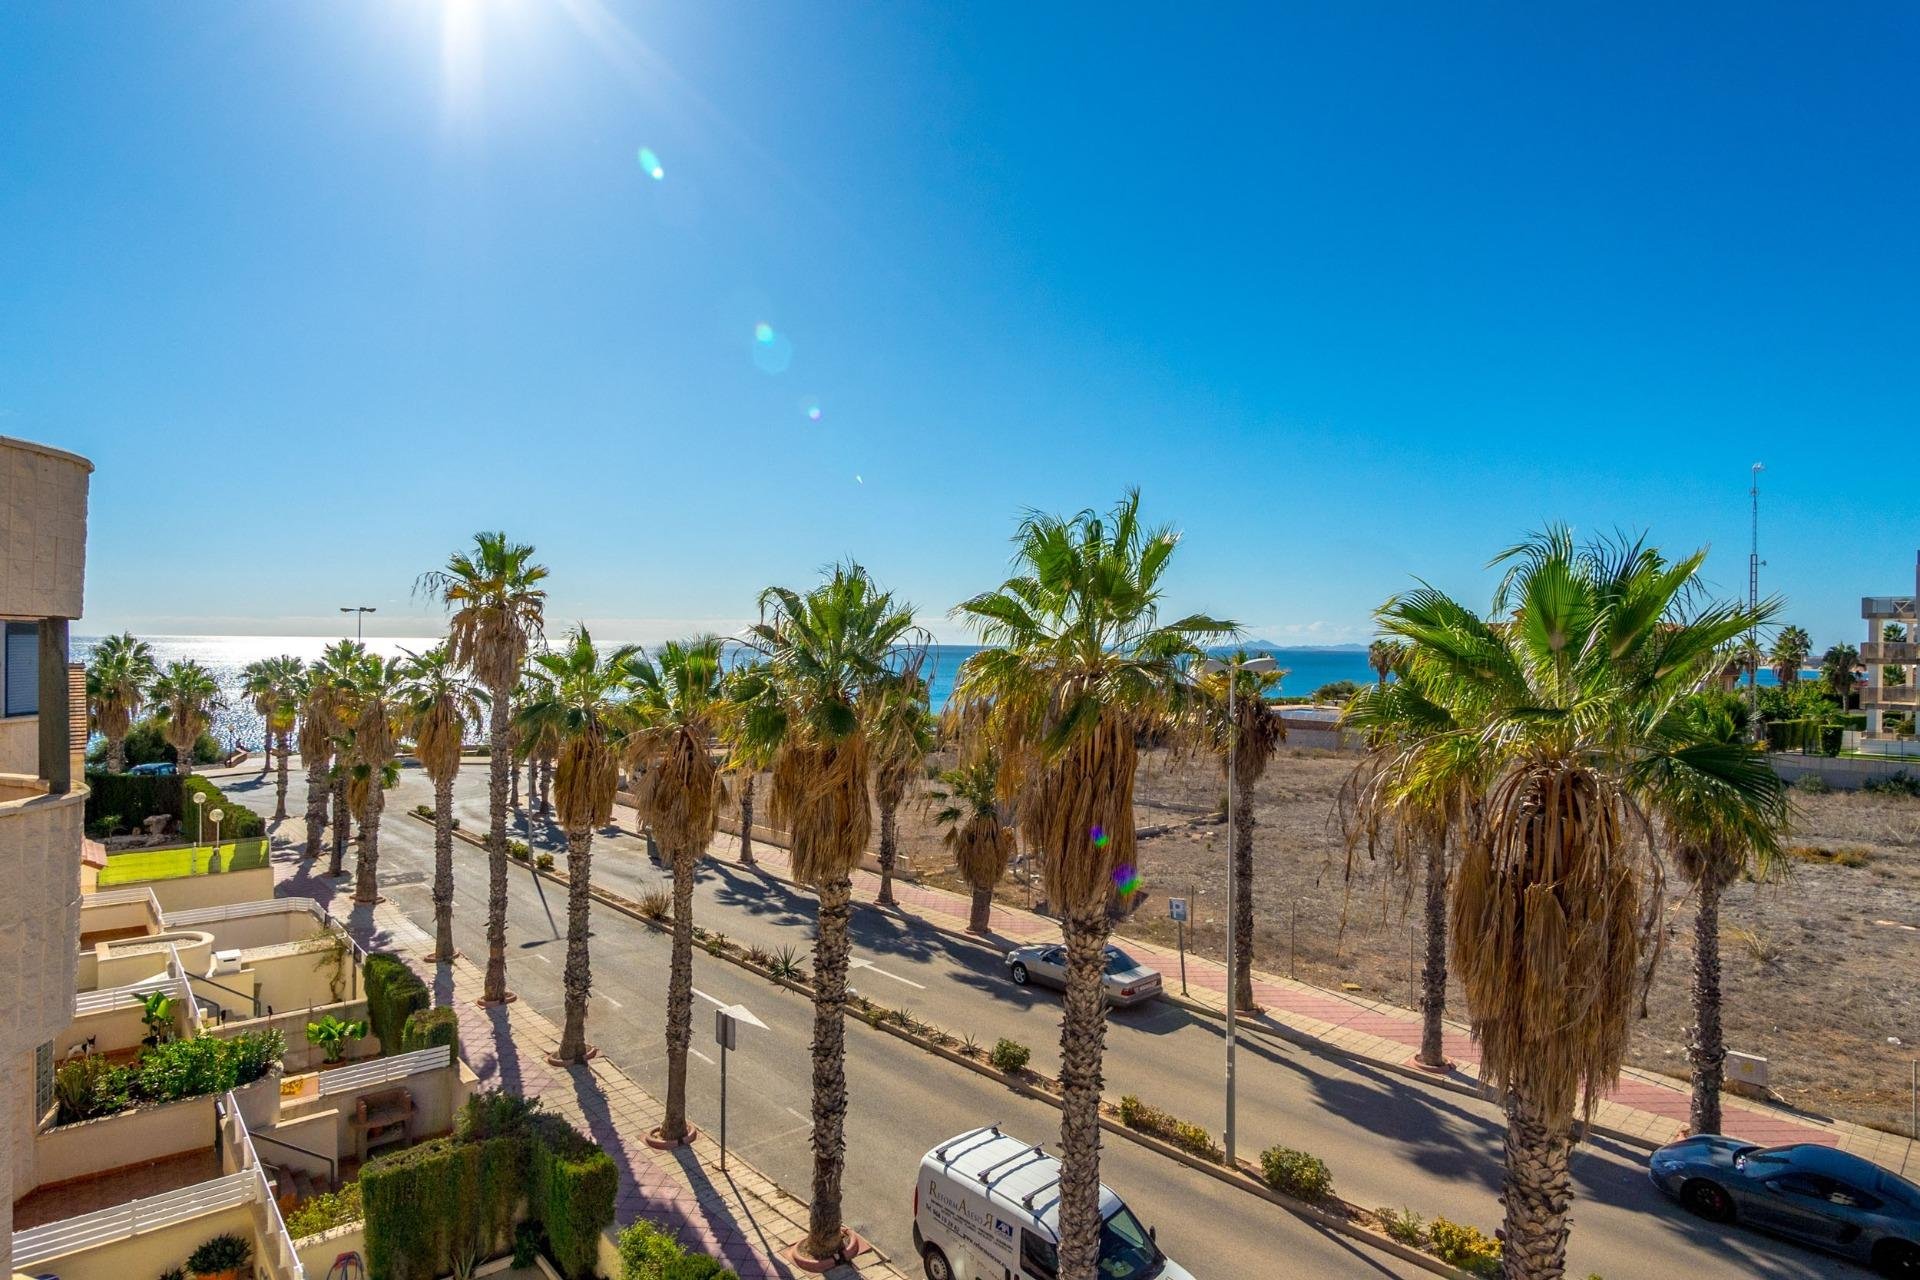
1890,651
124,1221
1889,695
1886,606
276,1252
384,1070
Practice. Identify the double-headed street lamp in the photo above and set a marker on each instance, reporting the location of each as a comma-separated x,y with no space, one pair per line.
359,612
1233,667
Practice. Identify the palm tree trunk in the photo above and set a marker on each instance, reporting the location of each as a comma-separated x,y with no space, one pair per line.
513,785
117,755
577,978
980,915
316,806
679,997
1083,1038
830,952
366,883
1242,896
888,852
1706,1049
443,949
342,821
746,822
499,765
280,778
1537,1195
183,759
1433,976
546,788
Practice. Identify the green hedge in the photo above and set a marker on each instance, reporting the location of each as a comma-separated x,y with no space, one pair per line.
240,823
146,743
459,1195
130,798
394,994
425,1028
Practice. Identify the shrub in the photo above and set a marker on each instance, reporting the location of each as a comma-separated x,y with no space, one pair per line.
544,862
326,1211
333,1035
1009,1056
1190,1138
426,1028
1295,1173
394,993
222,1253
698,1266
1467,1248
1813,784
1900,784
146,744
255,1054
786,964
646,1251
183,1069
87,1087
519,850
572,1189
1404,1225
526,1243
655,904
493,1113
1337,691
241,823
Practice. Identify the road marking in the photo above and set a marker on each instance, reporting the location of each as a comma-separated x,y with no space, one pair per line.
610,1000
703,1057
796,1115
857,962
542,959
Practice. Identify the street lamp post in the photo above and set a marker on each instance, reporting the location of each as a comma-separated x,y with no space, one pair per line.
1233,667
359,612
214,817
199,810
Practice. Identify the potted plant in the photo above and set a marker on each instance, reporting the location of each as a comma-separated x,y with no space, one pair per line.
222,1258
333,1036
157,1013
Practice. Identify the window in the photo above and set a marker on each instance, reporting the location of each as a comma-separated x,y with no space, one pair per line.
1038,1258
1852,1198
22,669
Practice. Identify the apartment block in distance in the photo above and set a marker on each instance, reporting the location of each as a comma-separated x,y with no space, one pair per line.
1892,687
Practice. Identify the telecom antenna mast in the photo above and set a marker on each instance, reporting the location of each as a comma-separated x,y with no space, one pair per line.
1753,590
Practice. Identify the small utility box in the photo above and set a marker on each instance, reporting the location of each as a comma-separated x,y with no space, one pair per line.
1747,1074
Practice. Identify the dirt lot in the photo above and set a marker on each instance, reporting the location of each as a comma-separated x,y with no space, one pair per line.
1822,966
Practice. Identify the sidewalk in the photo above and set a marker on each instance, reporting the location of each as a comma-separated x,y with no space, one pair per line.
737,1215
1643,1107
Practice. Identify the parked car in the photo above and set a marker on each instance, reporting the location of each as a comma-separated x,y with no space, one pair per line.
1126,980
987,1204
1819,1195
156,769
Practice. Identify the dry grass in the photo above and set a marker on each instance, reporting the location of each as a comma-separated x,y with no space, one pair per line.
1827,990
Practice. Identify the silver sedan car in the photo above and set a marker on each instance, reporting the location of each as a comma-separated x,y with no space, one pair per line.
1126,980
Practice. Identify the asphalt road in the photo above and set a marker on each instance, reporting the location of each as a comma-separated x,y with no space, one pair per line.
1389,1140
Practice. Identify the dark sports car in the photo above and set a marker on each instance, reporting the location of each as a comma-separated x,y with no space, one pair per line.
1815,1194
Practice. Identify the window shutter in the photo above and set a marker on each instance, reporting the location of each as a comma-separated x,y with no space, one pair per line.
23,669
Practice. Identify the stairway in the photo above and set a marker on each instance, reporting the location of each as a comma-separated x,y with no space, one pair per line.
291,1186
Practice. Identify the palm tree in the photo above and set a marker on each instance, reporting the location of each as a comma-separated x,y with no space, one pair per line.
118,672
746,756
184,697
1717,834
680,708
285,713
579,703
329,695
256,682
441,703
1385,657
1078,664
828,651
1245,743
1572,701
497,601
1790,650
902,738
1840,669
1893,633
373,713
980,840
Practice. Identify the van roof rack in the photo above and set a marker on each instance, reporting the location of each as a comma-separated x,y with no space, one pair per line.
1026,1201
986,1174
941,1153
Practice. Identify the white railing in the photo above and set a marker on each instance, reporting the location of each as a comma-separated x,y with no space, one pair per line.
121,897
242,911
384,1070
278,1255
175,981
122,1222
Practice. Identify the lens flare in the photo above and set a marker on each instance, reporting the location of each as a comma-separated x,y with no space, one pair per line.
1100,837
813,413
763,333
1127,879
772,351
650,164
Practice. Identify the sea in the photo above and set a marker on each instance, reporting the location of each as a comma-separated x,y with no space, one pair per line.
224,657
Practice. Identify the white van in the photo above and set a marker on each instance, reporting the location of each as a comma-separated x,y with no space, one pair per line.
987,1207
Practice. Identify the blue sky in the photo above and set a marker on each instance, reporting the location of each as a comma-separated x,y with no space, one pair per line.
1354,295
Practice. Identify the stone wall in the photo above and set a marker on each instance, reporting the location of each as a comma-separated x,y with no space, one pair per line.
43,530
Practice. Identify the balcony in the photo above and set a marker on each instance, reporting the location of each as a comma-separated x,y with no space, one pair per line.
1886,606
1902,651
1889,695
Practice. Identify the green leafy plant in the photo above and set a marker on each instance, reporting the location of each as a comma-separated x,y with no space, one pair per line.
1900,784
759,956
332,958
1404,1225
519,850
786,964
156,1014
87,1087
1009,1056
226,1252
253,1054
1465,1247
698,1266
426,1028
1190,1138
333,1035
969,1046
544,862
526,1243
326,1211
394,993
646,1251
1813,784
1295,1173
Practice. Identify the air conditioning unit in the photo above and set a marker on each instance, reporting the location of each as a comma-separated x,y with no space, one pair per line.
225,962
